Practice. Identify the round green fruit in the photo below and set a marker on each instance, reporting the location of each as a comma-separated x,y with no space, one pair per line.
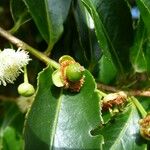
74,72
26,89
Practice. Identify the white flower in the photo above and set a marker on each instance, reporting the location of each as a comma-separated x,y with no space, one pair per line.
11,63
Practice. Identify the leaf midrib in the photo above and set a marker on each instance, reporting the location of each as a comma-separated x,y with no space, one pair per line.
54,127
124,129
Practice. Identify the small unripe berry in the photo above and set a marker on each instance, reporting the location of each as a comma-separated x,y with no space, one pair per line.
74,72
26,89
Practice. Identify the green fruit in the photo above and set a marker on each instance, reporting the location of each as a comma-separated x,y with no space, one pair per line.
26,89
74,72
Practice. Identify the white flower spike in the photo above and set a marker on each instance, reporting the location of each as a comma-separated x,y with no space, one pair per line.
11,63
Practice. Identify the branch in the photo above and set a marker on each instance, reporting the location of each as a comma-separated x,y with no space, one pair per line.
139,93
107,88
103,87
24,46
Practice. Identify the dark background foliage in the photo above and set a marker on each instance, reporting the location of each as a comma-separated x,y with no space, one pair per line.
115,53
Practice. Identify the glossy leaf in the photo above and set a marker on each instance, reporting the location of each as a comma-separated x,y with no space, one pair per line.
49,16
137,55
116,19
144,7
110,30
59,119
122,133
99,28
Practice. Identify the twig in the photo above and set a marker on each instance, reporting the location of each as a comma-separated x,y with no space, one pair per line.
139,93
25,46
107,88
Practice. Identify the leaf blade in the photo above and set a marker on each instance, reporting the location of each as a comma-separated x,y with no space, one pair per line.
53,113
19,11
124,131
144,6
137,55
50,18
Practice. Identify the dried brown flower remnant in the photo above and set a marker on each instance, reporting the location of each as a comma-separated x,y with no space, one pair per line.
113,99
145,127
73,86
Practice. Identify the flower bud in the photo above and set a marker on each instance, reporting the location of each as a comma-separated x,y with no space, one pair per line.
26,89
74,72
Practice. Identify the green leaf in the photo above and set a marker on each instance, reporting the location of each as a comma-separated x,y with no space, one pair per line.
122,133
59,119
11,127
105,66
147,55
87,38
144,7
99,28
117,21
137,55
111,29
49,16
19,14
19,11
12,140
145,102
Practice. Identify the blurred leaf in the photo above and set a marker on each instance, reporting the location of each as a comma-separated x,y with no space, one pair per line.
137,55
145,101
144,7
147,54
12,140
49,16
11,127
59,119
122,133
105,66
19,12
